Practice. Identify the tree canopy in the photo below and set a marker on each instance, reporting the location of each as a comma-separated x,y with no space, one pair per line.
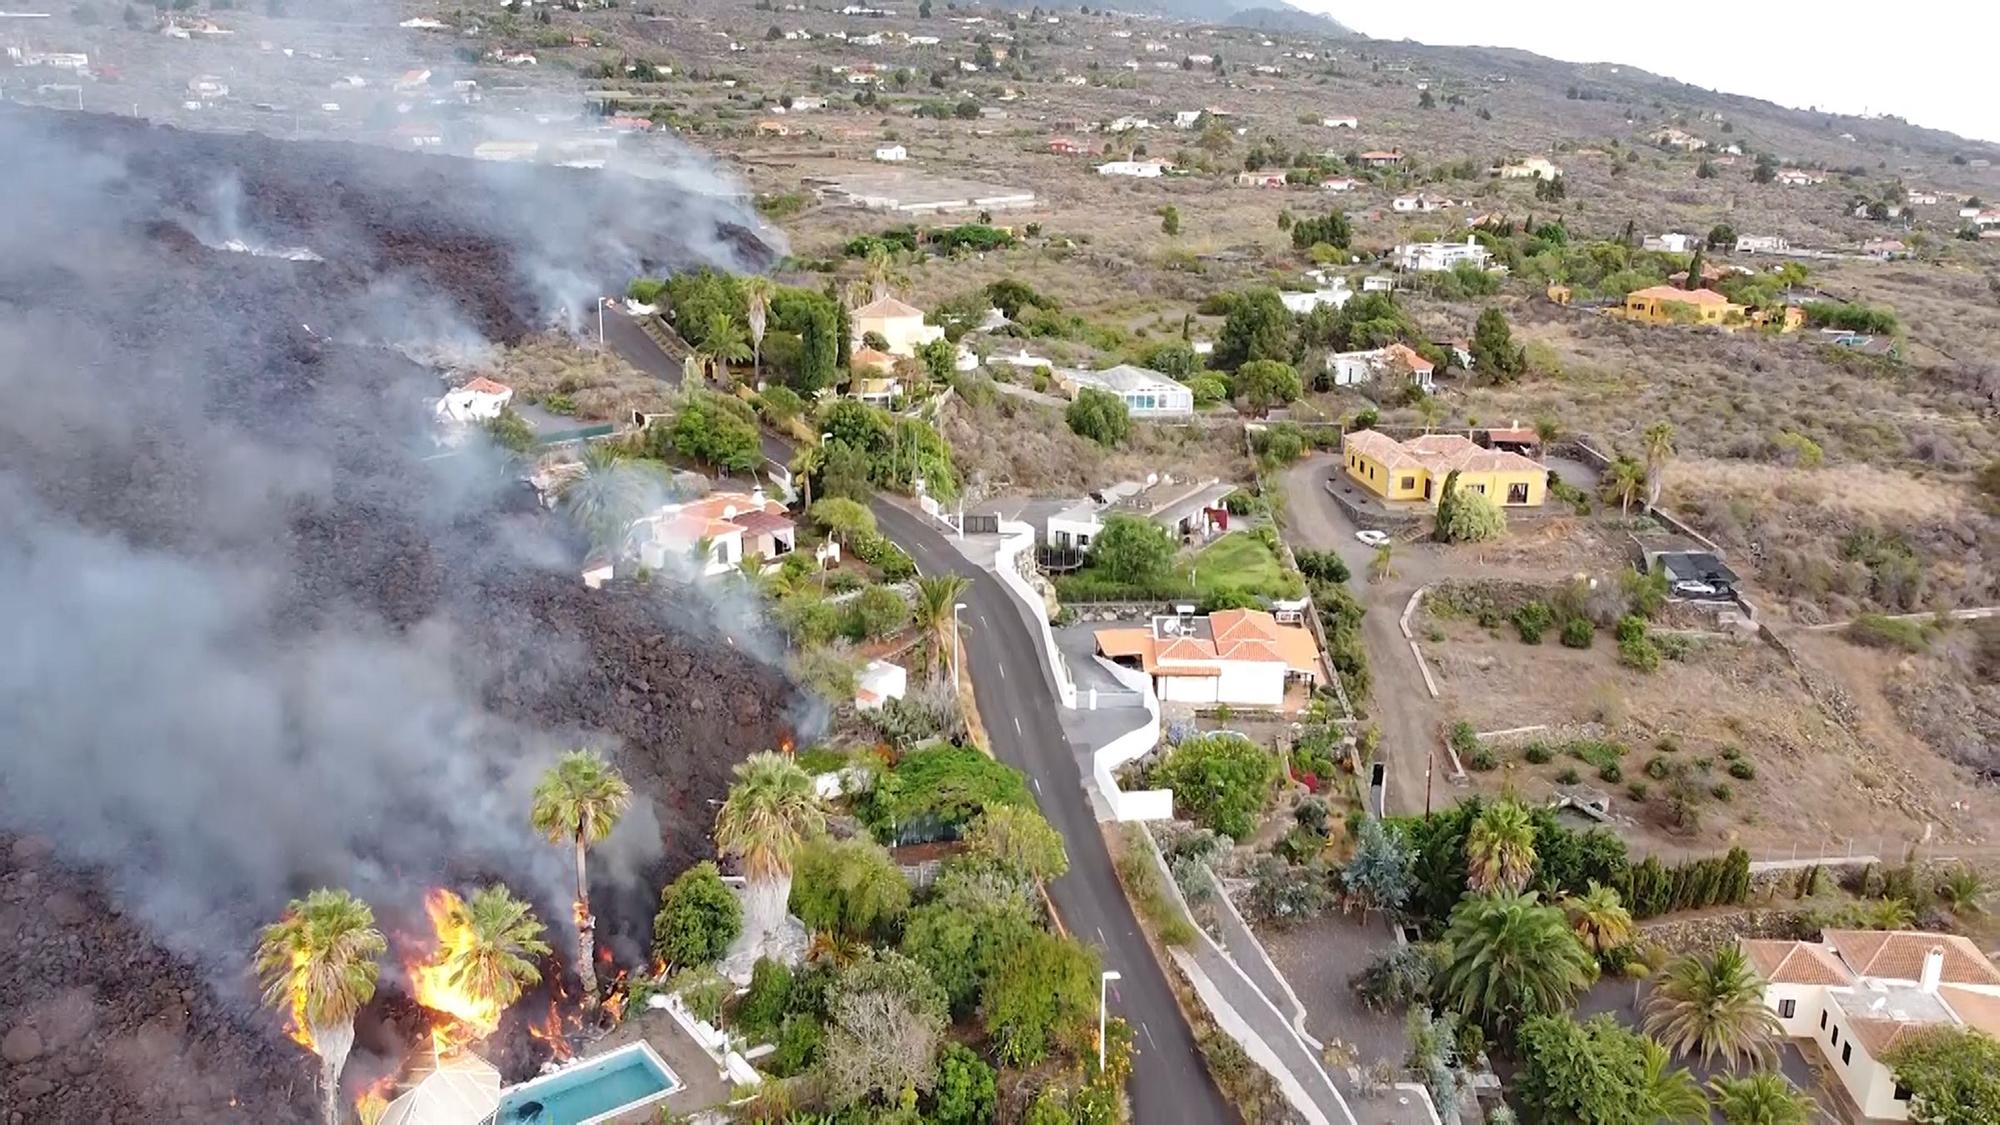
1221,781
1953,1076
1100,416
1258,326
699,917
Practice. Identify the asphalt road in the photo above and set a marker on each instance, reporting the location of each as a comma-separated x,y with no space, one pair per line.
1017,704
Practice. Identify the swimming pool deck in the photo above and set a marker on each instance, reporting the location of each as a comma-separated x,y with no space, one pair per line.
703,1085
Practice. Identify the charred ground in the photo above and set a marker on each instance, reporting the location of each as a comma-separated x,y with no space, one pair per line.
175,415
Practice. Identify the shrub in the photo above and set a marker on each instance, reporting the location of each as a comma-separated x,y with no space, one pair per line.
1482,759
1658,768
1538,753
1873,630
1742,770
1531,620
698,919
1611,772
1322,566
1635,648
1723,791
763,1006
1285,894
1577,632
1569,776
1637,790
1464,739
1100,416
1222,781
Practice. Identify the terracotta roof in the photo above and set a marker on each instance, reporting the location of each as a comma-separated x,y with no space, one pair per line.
872,357
1238,634
1794,962
1408,357
1880,1036
1679,296
486,386
1438,453
1900,955
758,523
1975,1009
887,307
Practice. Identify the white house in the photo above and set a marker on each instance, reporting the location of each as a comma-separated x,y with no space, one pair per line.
1422,203
1355,368
1761,244
477,402
1671,243
900,325
1147,394
1336,294
1189,511
878,683
1186,118
1340,122
1378,283
1127,124
1339,183
1671,137
1534,167
1798,177
1425,257
732,525
1921,198
892,153
1239,657
1143,169
805,104
1857,994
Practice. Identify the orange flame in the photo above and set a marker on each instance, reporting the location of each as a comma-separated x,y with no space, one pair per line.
373,1101
295,1024
467,1017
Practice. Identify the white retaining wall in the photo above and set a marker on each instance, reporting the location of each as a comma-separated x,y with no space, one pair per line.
1147,804
1015,538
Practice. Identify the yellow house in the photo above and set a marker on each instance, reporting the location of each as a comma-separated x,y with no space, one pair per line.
900,325
1658,305
1415,470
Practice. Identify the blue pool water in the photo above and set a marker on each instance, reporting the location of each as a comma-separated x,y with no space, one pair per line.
623,1079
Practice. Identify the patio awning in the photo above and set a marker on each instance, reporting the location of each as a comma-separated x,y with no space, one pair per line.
463,1090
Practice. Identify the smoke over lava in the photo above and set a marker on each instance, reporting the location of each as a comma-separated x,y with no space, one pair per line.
258,640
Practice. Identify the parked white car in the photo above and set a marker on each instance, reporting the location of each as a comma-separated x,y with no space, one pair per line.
1372,538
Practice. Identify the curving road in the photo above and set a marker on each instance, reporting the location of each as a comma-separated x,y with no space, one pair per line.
1017,704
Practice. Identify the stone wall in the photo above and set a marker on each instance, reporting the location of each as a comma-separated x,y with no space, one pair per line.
1700,933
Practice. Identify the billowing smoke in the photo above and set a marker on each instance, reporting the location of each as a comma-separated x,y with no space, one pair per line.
261,637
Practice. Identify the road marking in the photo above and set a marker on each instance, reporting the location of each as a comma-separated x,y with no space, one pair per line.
1017,727
1149,1035
1038,786
1003,671
1100,937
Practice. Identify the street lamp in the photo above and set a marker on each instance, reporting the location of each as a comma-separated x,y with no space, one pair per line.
1104,980
957,643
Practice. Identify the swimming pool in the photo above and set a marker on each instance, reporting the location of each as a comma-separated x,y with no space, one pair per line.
592,1090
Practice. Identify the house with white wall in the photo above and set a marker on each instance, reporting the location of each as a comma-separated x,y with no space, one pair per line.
1138,169
714,534
1396,361
1187,510
1425,257
1146,394
1858,994
1239,657
1670,243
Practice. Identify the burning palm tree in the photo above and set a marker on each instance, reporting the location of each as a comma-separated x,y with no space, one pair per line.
771,811
498,937
579,802
318,963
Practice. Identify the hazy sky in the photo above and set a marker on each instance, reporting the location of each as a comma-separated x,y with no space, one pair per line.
1934,68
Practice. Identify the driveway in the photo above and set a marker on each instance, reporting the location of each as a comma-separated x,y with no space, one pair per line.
1398,702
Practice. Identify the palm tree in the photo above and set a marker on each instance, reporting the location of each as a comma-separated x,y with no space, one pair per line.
1714,1006
1599,918
578,802
1761,1098
1382,567
605,500
1500,849
881,274
1964,890
317,962
757,292
1659,438
724,343
501,938
1671,1092
935,619
1430,409
771,811
1511,958
1624,482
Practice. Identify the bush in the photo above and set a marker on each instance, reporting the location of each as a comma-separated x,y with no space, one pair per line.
1322,566
1482,759
1742,770
1658,768
698,919
1873,630
1723,791
1611,772
934,792
1531,620
1569,776
1538,753
763,1006
1221,781
1285,894
1577,632
1100,416
1638,791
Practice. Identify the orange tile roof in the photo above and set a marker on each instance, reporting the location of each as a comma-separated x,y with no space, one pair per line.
1237,634
1975,1009
1795,962
1900,955
871,357
1438,453
487,386
1409,358
1880,1036
1679,296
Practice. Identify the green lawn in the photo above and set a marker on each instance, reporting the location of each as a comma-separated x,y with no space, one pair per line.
1240,561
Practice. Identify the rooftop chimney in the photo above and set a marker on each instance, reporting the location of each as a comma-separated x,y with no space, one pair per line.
1933,970
757,496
